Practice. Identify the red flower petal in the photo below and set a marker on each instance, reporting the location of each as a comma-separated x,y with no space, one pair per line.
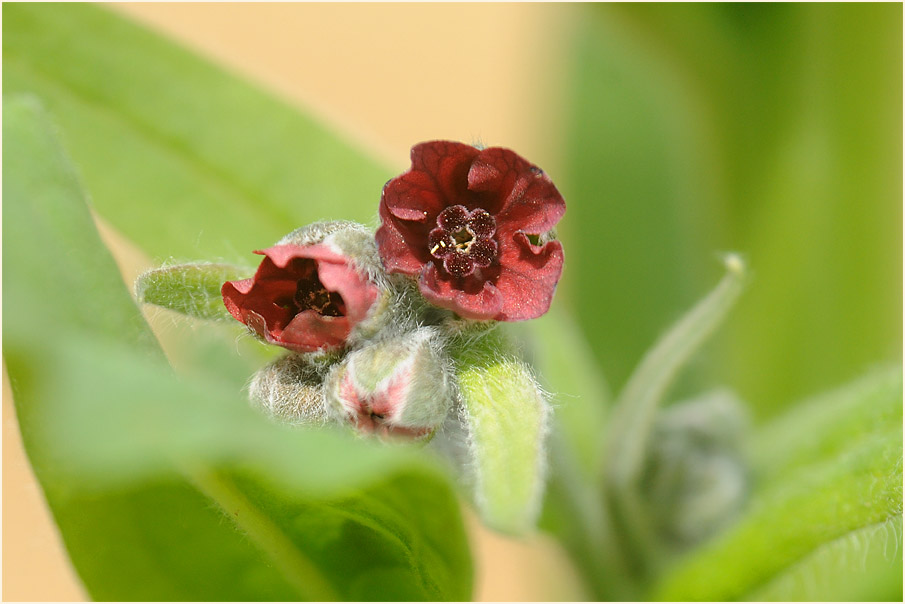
447,163
310,331
528,199
528,278
482,303
394,242
356,290
413,196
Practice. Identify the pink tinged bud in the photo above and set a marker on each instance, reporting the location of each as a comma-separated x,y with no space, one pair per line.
398,387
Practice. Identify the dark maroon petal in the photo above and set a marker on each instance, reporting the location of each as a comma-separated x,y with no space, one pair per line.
261,295
233,293
282,255
447,164
483,252
413,196
453,218
481,224
527,199
398,246
534,206
483,303
528,277
493,173
458,265
440,243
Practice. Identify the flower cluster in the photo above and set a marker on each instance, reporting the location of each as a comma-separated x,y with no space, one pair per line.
465,241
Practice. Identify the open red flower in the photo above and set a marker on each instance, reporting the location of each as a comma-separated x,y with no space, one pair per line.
302,297
471,225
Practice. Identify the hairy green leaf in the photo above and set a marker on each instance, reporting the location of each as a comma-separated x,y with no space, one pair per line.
506,415
174,489
863,565
191,289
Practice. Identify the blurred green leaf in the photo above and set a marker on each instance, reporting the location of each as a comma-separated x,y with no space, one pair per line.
191,289
180,157
828,479
633,168
169,489
634,417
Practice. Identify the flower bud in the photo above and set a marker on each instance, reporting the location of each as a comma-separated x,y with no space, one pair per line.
289,390
395,387
696,477
315,290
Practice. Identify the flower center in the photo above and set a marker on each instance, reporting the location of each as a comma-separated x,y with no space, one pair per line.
310,294
463,240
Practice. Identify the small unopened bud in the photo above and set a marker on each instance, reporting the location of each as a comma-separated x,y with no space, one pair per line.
696,477
289,390
395,387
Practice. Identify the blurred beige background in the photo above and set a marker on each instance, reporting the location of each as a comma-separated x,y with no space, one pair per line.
385,77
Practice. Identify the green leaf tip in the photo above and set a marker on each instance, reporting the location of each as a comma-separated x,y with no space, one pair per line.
638,402
191,289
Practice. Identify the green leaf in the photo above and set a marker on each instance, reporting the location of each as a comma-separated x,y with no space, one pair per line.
828,478
169,488
636,253
506,415
191,289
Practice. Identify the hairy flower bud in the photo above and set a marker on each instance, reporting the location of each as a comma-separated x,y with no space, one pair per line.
289,389
395,387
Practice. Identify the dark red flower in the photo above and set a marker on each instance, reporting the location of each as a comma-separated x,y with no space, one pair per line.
470,224
302,297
